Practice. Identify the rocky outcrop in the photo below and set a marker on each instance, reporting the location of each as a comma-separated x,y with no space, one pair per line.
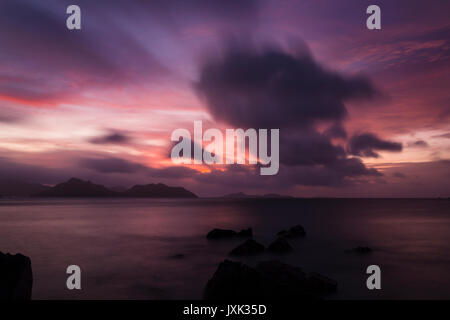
220,234
225,233
280,245
245,233
269,280
250,246
16,277
294,232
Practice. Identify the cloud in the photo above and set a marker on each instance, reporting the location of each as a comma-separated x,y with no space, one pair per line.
308,148
111,138
365,144
111,165
47,62
271,88
419,144
445,135
249,87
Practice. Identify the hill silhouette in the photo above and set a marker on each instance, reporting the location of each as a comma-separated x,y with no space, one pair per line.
158,191
75,187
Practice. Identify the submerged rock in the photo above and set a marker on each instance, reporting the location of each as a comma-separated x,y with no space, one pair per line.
220,234
250,246
294,232
270,280
224,233
280,245
16,277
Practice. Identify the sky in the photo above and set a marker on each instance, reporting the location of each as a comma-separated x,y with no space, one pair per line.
361,113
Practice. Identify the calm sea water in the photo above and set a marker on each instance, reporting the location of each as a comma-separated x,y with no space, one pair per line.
126,247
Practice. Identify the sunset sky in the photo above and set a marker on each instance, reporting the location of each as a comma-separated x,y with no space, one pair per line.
361,113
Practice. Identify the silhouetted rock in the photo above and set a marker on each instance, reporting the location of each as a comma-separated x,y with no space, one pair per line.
157,191
234,280
270,280
16,277
320,284
294,232
77,188
245,233
362,250
280,245
220,234
250,246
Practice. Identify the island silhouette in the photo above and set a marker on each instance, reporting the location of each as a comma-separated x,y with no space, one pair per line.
75,187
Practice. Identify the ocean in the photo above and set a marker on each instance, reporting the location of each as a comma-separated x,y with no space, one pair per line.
157,248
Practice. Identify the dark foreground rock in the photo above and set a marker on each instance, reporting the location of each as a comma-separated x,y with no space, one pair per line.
280,245
16,277
294,232
245,233
220,234
224,233
250,246
270,280
362,250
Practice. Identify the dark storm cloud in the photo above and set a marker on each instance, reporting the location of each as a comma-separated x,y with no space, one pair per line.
269,88
336,131
339,173
308,148
365,145
111,138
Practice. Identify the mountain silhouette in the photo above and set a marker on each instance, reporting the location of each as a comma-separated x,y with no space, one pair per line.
75,187
157,191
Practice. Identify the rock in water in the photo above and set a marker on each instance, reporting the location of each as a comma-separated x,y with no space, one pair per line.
220,234
16,277
270,280
280,245
250,246
233,280
245,233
